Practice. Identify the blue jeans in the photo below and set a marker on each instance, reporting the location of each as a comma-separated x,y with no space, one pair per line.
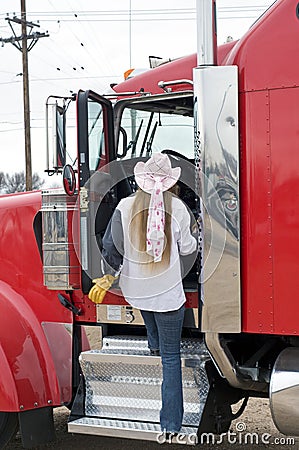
164,333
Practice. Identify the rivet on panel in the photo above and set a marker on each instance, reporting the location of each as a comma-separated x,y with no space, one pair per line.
35,404
21,406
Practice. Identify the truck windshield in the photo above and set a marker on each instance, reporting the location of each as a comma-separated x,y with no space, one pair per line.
151,132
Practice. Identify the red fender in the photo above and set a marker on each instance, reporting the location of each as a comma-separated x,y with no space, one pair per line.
28,377
8,392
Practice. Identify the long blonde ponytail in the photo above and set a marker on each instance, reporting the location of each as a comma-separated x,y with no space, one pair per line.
138,228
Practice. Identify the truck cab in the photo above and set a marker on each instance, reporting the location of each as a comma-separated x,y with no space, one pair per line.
229,120
204,118
112,137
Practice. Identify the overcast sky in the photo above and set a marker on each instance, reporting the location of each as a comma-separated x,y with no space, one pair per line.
91,44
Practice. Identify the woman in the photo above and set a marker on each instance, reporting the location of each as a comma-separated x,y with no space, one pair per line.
146,236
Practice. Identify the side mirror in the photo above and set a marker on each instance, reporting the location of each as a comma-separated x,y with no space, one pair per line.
69,180
56,137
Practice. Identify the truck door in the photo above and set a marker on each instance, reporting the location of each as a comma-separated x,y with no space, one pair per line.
97,199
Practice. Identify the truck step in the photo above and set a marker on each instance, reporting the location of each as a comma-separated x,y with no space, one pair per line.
130,429
123,381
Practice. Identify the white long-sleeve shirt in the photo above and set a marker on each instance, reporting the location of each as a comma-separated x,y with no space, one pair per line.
151,291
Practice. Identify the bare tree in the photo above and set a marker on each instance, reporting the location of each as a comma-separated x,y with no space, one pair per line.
2,181
16,182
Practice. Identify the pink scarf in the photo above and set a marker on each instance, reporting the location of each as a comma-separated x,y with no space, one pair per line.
156,223
156,176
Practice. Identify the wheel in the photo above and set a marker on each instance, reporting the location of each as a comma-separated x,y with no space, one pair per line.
8,427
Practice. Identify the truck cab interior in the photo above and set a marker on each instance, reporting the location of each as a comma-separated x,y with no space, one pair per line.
145,126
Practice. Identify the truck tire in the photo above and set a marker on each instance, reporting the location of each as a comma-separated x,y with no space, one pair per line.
8,427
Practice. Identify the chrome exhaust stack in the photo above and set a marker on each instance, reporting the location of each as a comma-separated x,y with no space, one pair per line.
216,146
206,33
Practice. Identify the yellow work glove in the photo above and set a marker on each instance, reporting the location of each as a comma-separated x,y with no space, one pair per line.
102,285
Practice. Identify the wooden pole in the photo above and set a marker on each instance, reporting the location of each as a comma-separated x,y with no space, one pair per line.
26,99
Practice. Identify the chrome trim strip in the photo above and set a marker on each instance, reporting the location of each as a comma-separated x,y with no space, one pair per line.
217,149
165,84
58,246
84,240
137,359
126,429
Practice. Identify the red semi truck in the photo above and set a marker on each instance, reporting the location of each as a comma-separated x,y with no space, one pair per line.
230,120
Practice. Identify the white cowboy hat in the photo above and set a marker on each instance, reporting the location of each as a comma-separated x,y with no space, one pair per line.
156,169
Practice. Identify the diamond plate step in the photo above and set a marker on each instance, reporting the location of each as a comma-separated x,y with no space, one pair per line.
124,382
132,430
134,345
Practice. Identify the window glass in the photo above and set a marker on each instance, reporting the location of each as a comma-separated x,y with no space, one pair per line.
149,133
96,141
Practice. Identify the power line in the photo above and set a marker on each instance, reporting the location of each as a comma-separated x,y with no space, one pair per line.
33,128
81,44
32,80
84,12
134,15
69,64
21,43
90,33
176,19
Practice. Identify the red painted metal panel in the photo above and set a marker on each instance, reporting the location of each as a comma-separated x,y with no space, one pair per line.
284,114
25,304
8,396
270,211
20,261
255,204
88,308
27,353
268,74
267,53
115,298
181,68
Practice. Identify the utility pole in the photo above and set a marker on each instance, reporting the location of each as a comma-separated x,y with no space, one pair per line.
32,38
26,99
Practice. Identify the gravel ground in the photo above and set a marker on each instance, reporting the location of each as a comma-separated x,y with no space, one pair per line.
255,419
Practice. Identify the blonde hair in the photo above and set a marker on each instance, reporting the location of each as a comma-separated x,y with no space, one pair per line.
138,228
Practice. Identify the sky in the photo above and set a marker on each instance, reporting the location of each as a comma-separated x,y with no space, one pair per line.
91,44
